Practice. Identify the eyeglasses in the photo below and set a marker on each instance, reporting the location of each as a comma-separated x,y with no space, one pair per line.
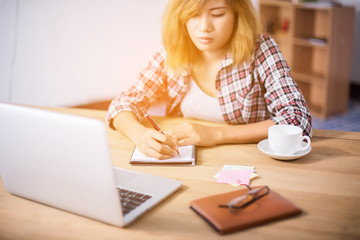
242,201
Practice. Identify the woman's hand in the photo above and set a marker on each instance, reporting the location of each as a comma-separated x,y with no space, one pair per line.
192,133
149,141
155,144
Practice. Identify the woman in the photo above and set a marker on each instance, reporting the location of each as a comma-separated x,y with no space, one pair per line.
215,66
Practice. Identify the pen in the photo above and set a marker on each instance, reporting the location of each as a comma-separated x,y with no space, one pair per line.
156,126
153,123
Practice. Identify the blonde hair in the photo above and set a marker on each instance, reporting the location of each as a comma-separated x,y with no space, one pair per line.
180,50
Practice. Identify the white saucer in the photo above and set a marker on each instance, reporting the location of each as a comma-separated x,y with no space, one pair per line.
265,148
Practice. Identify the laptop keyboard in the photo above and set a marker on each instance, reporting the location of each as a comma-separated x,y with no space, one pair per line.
131,199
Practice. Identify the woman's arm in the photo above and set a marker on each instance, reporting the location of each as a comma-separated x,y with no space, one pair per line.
283,97
147,88
127,109
148,140
201,135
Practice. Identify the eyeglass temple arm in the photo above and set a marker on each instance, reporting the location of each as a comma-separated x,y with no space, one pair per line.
234,201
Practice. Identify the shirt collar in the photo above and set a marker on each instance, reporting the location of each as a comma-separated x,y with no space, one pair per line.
185,72
228,60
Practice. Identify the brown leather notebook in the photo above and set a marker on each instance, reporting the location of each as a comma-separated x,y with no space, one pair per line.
268,208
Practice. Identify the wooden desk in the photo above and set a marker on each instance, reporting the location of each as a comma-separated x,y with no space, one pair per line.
325,184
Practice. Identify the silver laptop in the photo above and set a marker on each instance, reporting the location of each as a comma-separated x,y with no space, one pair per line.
64,161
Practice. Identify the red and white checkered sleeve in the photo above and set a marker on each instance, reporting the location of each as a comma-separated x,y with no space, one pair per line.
147,88
283,97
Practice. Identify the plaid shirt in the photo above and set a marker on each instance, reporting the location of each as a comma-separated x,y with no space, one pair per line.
251,92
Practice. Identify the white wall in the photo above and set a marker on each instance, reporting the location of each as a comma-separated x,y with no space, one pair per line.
7,38
72,52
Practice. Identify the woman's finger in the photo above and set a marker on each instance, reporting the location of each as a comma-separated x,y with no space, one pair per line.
155,154
162,148
180,132
185,142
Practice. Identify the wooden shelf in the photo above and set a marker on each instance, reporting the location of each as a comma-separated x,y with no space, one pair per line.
275,3
311,42
317,47
308,77
315,5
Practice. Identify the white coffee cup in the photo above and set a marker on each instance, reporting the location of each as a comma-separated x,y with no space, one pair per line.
287,139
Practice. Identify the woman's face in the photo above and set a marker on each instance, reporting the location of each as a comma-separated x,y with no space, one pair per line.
212,28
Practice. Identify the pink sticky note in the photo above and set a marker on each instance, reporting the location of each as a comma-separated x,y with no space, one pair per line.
235,176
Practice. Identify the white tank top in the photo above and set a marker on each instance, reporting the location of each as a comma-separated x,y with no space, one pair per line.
197,104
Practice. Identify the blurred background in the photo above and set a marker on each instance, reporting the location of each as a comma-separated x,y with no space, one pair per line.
82,53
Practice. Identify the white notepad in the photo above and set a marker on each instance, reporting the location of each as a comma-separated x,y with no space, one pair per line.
187,156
